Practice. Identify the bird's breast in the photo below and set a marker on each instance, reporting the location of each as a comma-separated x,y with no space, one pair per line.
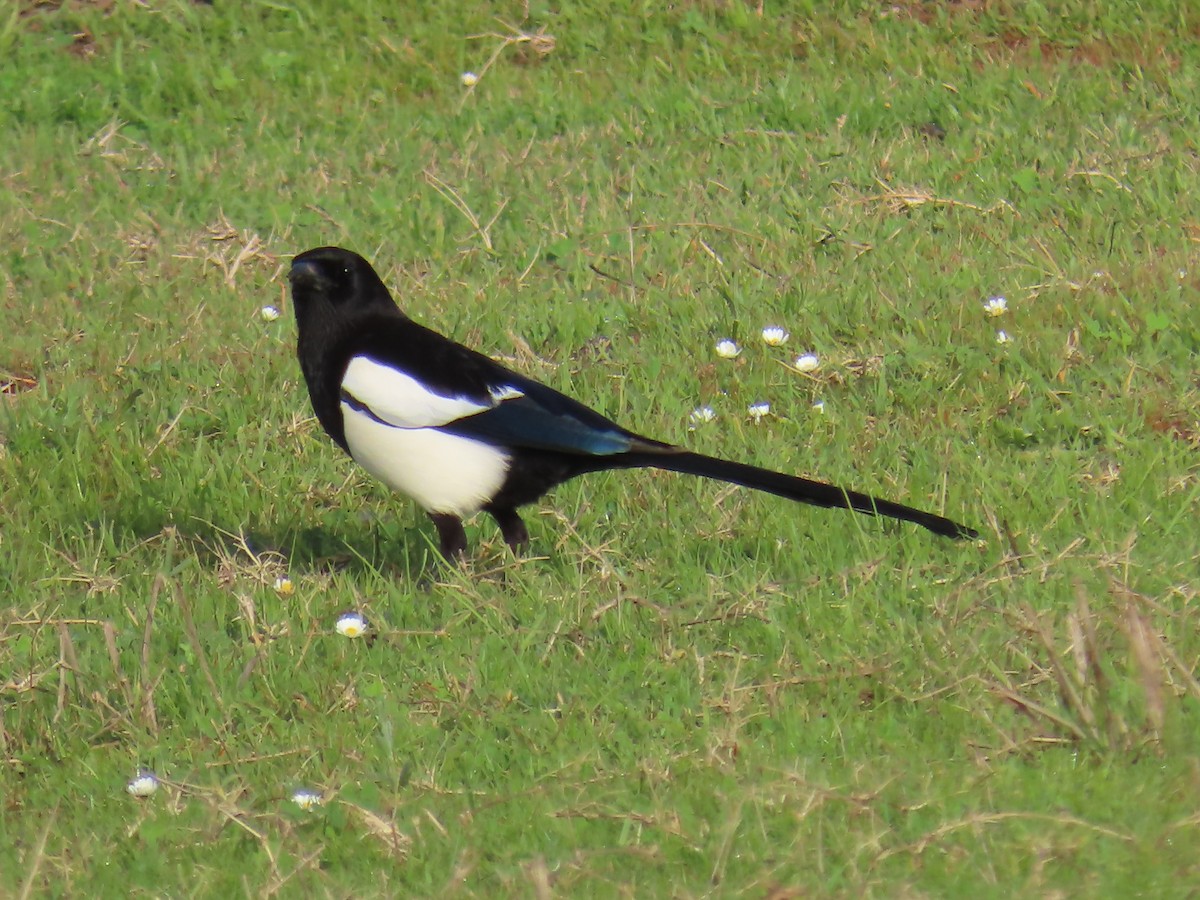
444,473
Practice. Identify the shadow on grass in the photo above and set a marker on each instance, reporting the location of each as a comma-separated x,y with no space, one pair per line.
387,549
343,543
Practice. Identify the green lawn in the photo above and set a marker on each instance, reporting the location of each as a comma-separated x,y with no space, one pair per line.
684,689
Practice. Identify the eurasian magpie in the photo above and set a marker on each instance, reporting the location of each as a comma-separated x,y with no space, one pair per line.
459,433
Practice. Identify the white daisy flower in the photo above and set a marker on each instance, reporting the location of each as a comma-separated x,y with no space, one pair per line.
819,407
145,784
995,306
306,798
284,586
728,349
269,313
760,409
807,362
469,79
701,415
774,335
1002,337
352,624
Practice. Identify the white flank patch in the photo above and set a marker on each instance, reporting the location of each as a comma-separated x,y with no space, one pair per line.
443,472
401,400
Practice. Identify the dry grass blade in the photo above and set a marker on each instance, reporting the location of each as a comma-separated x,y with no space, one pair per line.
903,199
279,881
1072,694
39,854
592,812
262,567
978,819
68,664
1190,683
1151,673
148,683
122,151
456,200
114,657
540,878
1030,707
1089,650
189,626
1079,650
229,249
167,430
1088,657
1093,703
394,840
541,43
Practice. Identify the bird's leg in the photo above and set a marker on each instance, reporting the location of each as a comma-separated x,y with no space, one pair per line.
451,535
516,535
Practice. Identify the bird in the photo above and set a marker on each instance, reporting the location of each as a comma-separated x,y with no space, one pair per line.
460,433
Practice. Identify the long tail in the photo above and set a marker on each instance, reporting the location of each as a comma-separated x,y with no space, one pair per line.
803,490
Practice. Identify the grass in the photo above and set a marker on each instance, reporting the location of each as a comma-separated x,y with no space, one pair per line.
685,689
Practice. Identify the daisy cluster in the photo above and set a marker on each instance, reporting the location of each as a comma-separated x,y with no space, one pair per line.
145,784
809,362
775,336
995,307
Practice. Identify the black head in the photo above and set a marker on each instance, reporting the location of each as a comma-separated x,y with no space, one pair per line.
332,283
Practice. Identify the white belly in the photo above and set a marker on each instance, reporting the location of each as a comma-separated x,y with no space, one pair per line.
442,472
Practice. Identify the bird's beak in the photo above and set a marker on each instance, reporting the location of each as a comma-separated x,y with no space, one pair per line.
306,273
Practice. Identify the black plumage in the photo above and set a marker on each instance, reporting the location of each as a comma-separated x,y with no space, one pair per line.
462,433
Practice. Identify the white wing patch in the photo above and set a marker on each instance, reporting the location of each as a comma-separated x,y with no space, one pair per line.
401,401
503,392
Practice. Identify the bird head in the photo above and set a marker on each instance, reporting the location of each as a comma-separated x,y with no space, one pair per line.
330,284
